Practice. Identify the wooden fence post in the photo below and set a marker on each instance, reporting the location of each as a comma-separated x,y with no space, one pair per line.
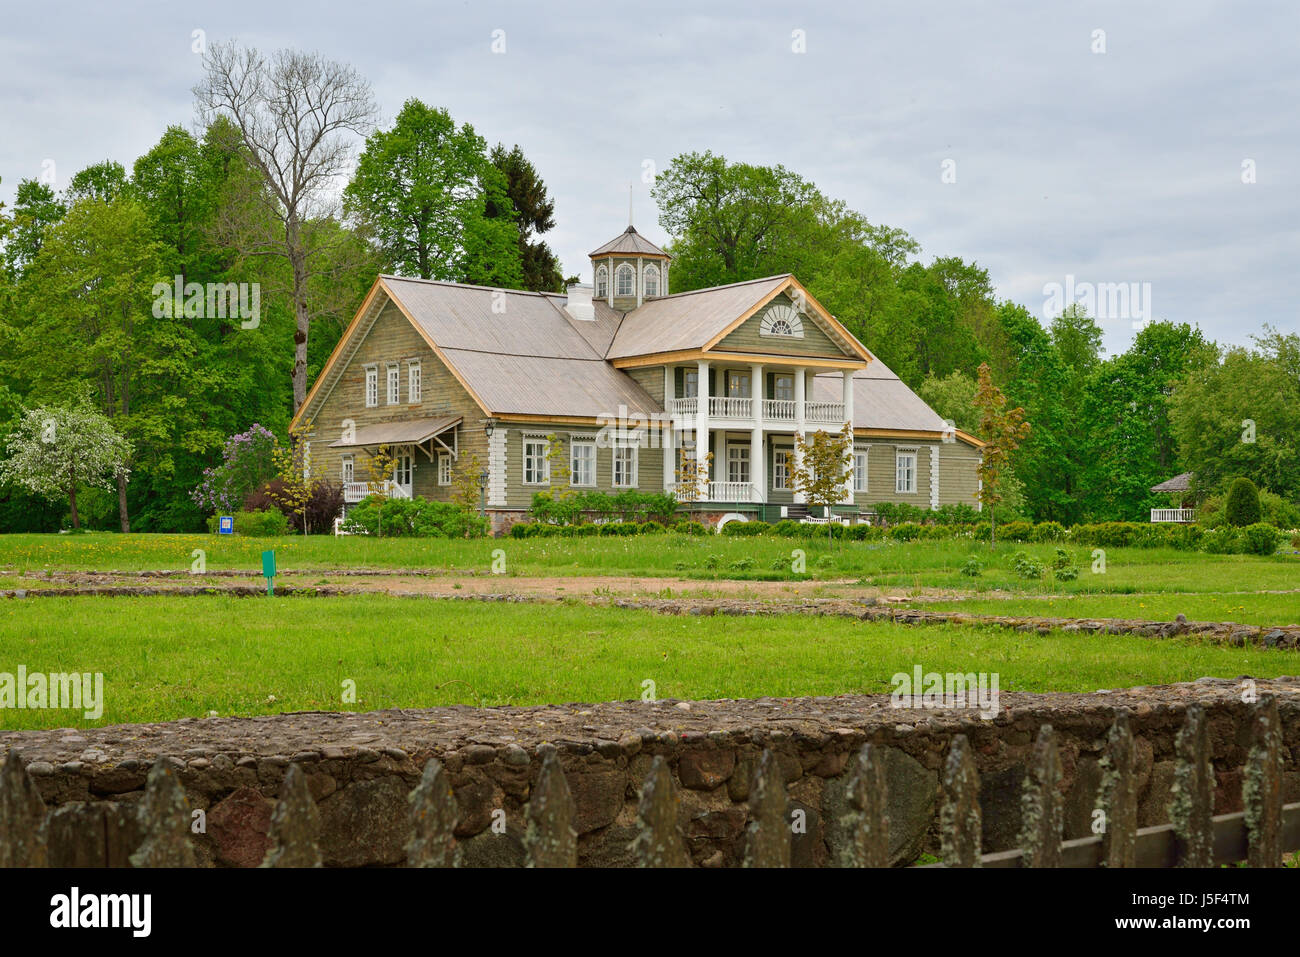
1261,787
1192,809
22,813
866,820
434,816
767,838
960,820
1041,808
550,840
295,825
1118,797
659,842
165,821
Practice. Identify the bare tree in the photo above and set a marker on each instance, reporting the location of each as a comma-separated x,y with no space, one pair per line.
298,116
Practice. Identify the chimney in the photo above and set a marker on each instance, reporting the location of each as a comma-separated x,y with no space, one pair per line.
578,302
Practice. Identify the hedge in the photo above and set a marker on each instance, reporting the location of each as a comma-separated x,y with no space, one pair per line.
265,523
415,518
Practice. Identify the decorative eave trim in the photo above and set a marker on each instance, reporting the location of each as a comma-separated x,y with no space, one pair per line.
687,355
917,434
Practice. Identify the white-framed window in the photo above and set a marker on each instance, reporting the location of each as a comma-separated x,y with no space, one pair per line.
394,383
651,280
737,463
625,281
348,468
691,383
414,387
738,385
859,470
444,468
783,386
624,464
372,386
536,469
602,282
781,459
582,462
405,466
905,472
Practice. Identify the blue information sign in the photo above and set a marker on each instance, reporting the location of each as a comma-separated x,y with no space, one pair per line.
226,525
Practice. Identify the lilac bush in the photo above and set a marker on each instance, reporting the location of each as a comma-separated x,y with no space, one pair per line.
246,463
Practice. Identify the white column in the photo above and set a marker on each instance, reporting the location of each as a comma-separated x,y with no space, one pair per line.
702,411
757,458
846,394
800,388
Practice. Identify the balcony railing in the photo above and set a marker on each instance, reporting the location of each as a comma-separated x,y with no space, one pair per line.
355,491
688,406
779,410
824,413
715,492
1173,515
731,407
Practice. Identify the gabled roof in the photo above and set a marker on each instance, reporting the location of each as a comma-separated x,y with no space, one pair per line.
698,319
629,242
1179,483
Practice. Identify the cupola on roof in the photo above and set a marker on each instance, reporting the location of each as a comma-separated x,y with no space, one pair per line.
630,243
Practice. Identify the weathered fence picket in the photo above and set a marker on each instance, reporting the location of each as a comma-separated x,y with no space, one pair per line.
1192,809
550,840
22,814
1261,787
1261,834
659,841
1042,809
165,818
295,825
961,822
434,816
768,838
1118,797
866,819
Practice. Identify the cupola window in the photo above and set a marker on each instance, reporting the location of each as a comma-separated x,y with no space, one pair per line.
624,281
651,280
602,282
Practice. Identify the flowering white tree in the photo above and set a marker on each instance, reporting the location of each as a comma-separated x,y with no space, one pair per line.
54,450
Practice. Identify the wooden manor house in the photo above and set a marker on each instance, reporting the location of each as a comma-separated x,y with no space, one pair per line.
624,376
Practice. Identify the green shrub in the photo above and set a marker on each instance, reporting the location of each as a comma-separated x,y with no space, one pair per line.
1048,532
416,517
972,567
906,532
746,529
1242,507
1221,541
1026,567
1016,532
1259,539
1067,574
742,564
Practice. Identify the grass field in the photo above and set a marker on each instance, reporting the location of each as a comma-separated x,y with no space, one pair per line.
1246,609
932,564
168,657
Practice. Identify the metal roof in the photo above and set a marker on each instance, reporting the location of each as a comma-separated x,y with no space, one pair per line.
542,385
881,400
397,433
631,243
1179,483
687,320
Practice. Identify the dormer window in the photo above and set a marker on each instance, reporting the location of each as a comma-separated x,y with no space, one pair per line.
602,282
625,281
651,280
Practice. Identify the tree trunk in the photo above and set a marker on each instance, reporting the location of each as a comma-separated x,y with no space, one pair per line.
993,529
72,503
298,260
121,503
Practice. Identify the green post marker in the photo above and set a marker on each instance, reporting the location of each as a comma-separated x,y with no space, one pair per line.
268,569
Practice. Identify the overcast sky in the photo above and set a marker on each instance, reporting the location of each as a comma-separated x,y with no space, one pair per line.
1122,166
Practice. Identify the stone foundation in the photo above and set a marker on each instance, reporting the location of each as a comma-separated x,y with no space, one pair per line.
360,768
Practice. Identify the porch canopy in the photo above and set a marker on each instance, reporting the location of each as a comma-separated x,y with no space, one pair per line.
1179,483
405,432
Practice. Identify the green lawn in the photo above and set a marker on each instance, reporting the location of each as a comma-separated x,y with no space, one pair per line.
889,565
1246,609
172,657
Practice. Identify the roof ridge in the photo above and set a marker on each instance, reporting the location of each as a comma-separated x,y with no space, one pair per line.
728,285
468,285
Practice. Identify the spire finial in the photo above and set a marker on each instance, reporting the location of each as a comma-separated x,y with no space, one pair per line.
629,205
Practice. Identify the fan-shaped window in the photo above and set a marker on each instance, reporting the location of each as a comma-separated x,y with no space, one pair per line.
651,280
602,282
624,280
